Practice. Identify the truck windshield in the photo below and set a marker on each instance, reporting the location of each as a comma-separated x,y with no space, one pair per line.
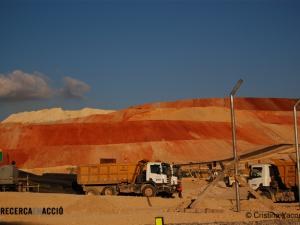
256,172
155,169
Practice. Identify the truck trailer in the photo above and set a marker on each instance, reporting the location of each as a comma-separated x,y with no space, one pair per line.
146,178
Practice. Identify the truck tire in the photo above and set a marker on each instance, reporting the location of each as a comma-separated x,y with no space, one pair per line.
109,191
149,191
91,192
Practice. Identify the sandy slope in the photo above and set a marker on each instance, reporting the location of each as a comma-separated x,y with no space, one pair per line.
52,115
182,131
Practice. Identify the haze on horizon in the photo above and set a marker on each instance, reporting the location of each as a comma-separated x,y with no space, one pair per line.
114,54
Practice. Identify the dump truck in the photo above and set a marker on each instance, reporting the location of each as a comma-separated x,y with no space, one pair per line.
276,181
146,178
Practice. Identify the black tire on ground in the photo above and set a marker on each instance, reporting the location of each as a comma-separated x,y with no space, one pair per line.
149,190
109,191
169,195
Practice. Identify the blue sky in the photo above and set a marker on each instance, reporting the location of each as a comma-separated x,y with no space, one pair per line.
134,52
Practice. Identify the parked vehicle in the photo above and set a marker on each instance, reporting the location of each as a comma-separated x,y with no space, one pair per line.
10,179
277,182
146,178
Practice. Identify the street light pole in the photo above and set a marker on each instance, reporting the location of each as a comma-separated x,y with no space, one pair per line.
233,128
297,146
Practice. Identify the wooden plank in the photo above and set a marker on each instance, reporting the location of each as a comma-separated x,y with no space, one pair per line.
206,190
266,202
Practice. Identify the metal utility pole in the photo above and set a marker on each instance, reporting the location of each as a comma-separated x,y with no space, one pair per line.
297,146
236,160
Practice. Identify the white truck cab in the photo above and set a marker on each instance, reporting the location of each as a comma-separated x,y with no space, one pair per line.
260,175
266,178
162,173
155,172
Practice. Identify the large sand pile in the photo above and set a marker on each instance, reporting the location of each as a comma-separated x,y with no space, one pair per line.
52,115
182,131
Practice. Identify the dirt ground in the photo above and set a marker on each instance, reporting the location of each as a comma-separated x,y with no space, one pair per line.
216,208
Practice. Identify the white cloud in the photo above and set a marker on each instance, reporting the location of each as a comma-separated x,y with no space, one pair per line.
74,88
19,85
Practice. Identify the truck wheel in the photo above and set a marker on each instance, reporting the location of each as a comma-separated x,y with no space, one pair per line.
149,191
91,192
109,191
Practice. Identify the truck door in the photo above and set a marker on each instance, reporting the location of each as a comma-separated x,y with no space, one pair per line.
176,174
256,177
166,173
154,173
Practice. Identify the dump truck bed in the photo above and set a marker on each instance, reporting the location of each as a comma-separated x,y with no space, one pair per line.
106,173
288,173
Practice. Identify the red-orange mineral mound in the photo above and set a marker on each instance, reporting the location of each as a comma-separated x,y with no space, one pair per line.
181,131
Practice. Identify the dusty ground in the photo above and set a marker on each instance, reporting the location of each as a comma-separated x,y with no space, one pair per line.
117,210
